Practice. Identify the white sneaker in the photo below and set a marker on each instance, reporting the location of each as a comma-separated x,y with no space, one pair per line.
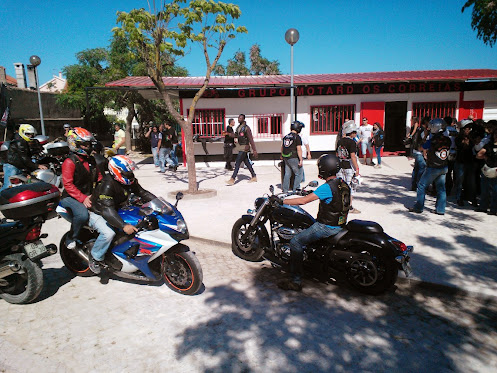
72,245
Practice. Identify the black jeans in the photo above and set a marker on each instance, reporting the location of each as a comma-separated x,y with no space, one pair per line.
242,157
228,154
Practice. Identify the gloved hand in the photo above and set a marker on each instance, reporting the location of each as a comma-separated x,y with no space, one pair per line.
274,199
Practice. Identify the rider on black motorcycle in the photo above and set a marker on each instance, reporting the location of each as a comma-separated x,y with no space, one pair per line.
110,195
79,175
334,205
19,154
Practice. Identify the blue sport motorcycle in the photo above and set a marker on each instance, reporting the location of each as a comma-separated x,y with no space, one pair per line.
153,254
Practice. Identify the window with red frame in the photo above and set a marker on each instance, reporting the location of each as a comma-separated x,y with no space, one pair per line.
327,119
434,109
268,125
208,122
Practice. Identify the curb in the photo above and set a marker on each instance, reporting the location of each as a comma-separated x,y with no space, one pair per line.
414,284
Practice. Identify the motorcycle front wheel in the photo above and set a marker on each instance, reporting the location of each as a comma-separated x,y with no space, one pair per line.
249,248
25,285
73,262
373,274
181,271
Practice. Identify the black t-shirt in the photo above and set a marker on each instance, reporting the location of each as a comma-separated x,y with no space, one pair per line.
345,147
166,140
227,138
290,143
491,153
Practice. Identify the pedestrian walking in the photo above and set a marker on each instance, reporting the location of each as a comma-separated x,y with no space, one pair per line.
244,142
365,133
229,144
378,140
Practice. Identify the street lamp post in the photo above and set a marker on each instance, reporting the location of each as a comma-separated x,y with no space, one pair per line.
291,37
35,61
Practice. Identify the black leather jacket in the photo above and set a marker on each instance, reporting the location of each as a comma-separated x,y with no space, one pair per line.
110,195
19,154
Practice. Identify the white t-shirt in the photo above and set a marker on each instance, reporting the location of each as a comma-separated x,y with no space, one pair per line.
305,141
365,132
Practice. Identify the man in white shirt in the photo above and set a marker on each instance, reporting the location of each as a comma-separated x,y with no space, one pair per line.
365,139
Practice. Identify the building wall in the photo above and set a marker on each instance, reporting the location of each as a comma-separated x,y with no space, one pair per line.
257,105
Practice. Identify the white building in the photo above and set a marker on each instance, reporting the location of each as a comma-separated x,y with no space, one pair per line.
56,85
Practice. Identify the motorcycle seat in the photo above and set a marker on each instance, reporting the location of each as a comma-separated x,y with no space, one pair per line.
364,226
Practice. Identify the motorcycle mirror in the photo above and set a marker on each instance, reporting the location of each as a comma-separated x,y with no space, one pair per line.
179,196
313,184
271,189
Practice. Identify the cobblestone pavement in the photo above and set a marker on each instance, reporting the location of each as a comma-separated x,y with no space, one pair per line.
241,322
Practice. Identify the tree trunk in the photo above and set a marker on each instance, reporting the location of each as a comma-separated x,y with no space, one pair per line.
129,121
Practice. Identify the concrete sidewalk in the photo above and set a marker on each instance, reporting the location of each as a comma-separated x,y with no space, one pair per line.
456,250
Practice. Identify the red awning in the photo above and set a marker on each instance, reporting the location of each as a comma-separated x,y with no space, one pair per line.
310,79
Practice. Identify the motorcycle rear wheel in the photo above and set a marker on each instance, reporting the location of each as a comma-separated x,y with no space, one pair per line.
374,275
249,249
182,272
73,261
23,287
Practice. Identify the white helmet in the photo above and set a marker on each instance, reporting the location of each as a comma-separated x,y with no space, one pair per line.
349,127
490,172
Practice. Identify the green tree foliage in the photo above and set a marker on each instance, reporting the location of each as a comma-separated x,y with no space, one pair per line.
484,19
258,64
162,34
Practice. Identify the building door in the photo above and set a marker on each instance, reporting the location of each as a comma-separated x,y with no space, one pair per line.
395,125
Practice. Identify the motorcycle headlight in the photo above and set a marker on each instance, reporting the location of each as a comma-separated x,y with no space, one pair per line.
181,226
258,202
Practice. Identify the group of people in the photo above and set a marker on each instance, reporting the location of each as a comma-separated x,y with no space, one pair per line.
455,158
164,143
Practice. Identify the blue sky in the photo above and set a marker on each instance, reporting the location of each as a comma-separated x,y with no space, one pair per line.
335,36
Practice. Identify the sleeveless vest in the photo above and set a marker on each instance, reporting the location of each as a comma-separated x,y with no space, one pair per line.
82,179
335,213
241,134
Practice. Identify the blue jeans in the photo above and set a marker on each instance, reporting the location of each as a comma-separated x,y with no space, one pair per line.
242,157
79,217
314,233
8,171
431,175
164,158
418,170
464,177
292,165
173,157
378,154
155,154
488,194
105,236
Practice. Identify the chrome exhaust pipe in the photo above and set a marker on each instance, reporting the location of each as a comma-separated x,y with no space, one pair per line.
8,268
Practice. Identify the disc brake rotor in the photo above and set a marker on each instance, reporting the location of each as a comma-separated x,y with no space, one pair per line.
175,270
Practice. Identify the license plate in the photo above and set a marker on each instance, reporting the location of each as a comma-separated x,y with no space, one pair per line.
35,249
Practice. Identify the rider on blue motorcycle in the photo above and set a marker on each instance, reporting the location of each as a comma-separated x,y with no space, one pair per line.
110,195
334,205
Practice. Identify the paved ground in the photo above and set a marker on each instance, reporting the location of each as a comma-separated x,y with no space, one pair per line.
241,322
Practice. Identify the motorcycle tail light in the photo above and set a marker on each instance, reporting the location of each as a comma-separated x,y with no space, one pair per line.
34,233
400,245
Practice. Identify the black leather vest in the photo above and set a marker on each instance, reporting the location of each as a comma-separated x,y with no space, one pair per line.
82,179
335,213
241,134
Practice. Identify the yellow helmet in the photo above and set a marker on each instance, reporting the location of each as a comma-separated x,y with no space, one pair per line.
27,132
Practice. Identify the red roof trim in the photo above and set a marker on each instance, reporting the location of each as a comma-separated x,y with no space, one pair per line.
278,80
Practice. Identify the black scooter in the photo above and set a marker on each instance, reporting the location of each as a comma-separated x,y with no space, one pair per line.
361,254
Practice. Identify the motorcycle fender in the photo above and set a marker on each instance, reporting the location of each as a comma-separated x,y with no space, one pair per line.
261,229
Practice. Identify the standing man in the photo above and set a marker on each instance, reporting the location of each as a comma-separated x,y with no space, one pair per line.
67,128
378,139
229,144
291,152
365,139
155,137
418,139
119,145
436,149
245,140
347,153
173,136
19,155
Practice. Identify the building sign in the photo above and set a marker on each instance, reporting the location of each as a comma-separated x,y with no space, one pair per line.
344,89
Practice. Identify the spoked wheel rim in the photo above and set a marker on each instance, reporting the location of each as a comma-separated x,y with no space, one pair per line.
178,272
246,245
364,272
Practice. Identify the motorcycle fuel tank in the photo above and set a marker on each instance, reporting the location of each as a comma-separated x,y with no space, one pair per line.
292,216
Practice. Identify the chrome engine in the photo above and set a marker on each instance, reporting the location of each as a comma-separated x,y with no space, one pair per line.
286,233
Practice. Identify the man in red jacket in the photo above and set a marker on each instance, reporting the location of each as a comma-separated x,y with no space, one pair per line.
79,175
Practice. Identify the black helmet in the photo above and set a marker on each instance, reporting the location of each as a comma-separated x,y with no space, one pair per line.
297,126
328,165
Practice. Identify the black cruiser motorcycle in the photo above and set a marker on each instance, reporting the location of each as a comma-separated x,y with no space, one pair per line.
361,254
